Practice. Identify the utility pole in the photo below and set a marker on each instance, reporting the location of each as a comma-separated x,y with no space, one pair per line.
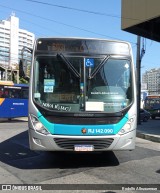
138,68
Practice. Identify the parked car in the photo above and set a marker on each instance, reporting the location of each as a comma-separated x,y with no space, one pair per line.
144,115
155,113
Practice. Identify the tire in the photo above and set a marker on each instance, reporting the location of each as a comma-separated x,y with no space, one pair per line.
153,117
145,119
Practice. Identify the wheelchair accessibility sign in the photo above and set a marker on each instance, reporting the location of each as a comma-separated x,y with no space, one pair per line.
89,62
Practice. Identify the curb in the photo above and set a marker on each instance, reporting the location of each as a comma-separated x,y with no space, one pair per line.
148,137
14,119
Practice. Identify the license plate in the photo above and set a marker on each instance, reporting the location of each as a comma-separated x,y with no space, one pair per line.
83,148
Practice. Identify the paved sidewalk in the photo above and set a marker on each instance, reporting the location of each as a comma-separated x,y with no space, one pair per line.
149,130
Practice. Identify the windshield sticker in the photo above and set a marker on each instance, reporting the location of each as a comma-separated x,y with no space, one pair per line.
57,107
94,106
108,93
89,62
37,95
124,104
49,82
126,65
116,104
48,89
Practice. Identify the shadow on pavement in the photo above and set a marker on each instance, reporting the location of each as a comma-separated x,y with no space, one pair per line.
34,166
15,152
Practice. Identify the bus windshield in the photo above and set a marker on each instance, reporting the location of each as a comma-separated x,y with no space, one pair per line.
70,83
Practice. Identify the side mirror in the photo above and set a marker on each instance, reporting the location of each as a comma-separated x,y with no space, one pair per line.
23,64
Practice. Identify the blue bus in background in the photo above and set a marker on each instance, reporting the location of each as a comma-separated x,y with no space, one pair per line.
13,100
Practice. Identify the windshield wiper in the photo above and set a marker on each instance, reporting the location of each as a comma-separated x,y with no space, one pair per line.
62,58
99,67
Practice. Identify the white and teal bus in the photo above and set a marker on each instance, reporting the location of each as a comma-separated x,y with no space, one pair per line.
82,95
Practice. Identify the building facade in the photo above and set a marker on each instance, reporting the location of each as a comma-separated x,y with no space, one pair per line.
152,79
12,40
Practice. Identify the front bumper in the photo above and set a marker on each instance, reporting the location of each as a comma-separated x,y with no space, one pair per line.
50,142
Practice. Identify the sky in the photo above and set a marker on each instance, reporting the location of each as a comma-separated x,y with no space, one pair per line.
73,18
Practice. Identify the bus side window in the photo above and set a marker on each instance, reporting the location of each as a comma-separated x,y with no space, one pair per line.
17,94
1,93
24,94
13,94
10,95
4,94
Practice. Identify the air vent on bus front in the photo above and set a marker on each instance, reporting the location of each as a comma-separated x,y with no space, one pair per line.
68,143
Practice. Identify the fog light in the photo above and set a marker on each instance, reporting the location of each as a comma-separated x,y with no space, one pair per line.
37,141
128,126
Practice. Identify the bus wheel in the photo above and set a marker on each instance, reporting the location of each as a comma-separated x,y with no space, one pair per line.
153,117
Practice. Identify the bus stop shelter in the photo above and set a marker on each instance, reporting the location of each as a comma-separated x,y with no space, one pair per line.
141,17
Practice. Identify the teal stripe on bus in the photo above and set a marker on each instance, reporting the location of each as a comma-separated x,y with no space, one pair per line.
83,130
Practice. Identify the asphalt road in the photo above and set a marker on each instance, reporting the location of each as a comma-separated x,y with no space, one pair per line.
20,165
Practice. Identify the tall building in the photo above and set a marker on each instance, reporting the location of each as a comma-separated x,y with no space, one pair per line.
152,79
12,40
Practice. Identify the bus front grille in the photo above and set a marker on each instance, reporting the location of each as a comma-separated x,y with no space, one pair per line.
69,143
83,120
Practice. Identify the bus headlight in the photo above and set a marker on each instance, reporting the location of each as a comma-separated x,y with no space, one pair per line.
128,126
38,126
